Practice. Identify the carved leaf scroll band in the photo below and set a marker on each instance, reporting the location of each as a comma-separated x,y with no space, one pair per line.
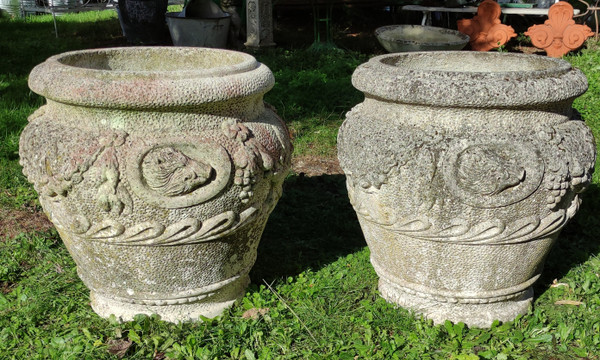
184,232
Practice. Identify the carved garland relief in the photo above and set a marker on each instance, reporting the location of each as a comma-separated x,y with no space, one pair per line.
167,174
111,196
249,159
493,174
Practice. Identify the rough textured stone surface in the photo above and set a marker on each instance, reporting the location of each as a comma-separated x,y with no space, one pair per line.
463,168
159,168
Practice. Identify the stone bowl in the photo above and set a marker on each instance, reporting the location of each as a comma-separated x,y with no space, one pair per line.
403,38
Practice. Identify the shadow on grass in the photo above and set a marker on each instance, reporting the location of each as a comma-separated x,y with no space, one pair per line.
578,241
312,226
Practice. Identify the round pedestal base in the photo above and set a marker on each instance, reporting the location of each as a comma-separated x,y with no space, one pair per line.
473,314
209,307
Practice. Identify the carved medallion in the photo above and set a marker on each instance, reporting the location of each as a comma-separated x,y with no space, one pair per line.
173,175
169,171
494,174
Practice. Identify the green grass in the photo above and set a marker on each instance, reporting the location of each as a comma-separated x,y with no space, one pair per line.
299,76
313,272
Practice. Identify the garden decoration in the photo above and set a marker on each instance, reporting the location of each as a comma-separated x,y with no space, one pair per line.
559,34
159,168
485,29
401,38
259,23
201,23
463,167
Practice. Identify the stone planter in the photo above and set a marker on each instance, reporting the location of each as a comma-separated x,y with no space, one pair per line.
159,168
463,168
404,38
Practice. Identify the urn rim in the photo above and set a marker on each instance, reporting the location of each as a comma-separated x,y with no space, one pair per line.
183,61
150,77
469,79
457,61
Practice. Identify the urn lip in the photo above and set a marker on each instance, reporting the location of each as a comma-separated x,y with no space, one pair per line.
149,77
475,64
177,62
469,79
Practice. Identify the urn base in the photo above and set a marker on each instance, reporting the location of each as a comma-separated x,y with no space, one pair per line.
472,313
171,310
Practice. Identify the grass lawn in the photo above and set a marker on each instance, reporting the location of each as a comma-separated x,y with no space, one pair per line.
314,292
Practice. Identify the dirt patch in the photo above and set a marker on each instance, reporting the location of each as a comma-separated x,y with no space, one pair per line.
254,313
6,287
13,222
316,166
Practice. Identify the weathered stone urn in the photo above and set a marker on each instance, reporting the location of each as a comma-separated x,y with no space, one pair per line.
159,168
463,167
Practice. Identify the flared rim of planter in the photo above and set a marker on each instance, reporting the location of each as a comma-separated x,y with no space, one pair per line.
149,77
469,79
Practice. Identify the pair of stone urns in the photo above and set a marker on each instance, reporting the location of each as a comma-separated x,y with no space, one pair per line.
160,166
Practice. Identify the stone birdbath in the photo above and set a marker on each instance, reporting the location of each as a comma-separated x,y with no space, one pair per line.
402,38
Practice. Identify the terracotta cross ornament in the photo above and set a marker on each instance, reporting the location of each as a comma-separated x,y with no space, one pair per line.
485,29
559,34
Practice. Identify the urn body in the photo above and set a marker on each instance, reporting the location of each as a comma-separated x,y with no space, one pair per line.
159,168
463,168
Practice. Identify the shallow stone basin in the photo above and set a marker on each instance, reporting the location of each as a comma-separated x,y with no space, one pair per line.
403,38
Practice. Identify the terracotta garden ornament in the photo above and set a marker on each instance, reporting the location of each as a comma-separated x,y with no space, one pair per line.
485,29
559,34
